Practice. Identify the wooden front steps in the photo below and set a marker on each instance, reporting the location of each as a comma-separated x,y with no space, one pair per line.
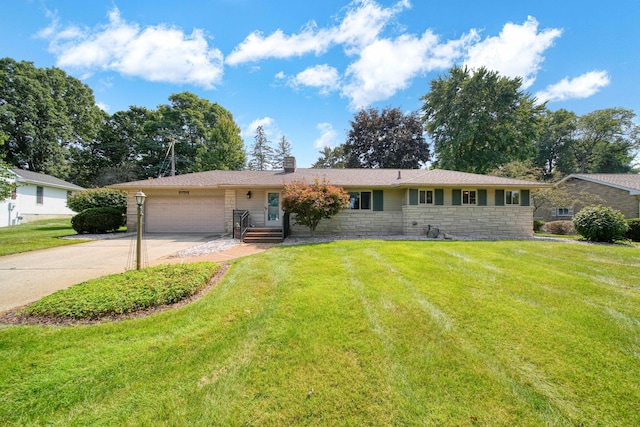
263,235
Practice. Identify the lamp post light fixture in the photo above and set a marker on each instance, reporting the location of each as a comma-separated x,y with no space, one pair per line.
139,196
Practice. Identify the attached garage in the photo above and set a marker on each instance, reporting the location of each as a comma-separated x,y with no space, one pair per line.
185,214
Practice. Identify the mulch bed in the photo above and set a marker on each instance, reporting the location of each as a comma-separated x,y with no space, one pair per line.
12,317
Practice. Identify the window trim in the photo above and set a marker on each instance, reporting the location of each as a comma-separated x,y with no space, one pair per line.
509,197
555,212
39,195
360,208
475,197
425,192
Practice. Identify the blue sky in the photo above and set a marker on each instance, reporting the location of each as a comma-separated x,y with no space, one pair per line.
303,69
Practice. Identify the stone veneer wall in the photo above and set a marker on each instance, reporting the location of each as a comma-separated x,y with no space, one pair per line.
478,221
229,206
355,223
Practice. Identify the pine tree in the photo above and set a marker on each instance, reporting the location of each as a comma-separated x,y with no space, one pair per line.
282,150
261,152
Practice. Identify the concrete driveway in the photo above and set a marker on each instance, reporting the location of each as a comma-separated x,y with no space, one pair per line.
29,276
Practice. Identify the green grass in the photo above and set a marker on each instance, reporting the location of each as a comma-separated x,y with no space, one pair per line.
356,333
36,235
125,292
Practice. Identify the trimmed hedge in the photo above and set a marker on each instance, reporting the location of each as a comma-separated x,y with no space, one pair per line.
97,198
99,220
538,224
633,233
600,224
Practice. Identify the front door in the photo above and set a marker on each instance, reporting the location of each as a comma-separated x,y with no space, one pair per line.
273,210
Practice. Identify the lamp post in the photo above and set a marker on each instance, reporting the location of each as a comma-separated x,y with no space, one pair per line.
139,196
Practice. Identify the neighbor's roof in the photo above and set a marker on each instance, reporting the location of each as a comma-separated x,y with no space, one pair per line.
624,181
340,177
43,179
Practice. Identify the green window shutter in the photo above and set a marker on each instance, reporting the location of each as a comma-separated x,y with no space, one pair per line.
499,197
413,196
439,197
524,198
456,197
378,201
482,197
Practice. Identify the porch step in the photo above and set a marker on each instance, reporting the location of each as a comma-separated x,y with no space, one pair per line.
263,235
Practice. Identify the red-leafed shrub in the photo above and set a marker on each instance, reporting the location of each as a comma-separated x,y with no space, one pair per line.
313,202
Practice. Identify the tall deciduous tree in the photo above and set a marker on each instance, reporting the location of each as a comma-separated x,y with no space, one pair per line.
192,134
606,141
479,120
310,203
553,147
261,152
44,113
387,139
331,158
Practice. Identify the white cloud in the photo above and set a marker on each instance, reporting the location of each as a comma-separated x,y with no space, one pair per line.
386,66
324,77
328,136
579,87
271,130
363,22
156,53
516,52
104,107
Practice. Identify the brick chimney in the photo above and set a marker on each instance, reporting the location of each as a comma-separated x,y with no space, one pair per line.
289,164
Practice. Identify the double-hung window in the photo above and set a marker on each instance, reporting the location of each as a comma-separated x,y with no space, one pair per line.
360,200
512,197
426,197
469,197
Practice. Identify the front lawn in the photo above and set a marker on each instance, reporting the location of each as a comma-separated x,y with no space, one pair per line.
356,333
36,235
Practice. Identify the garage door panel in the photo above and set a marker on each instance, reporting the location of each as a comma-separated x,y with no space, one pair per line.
185,214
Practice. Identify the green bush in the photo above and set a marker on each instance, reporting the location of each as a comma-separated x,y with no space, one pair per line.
99,220
600,224
97,198
125,292
634,229
538,224
563,228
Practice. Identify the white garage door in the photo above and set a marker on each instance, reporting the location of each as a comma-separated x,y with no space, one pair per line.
185,214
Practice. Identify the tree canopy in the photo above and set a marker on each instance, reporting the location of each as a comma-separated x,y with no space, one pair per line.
53,125
331,158
387,139
44,113
479,121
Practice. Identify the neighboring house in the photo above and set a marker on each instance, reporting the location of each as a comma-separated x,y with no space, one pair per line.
619,191
383,202
37,196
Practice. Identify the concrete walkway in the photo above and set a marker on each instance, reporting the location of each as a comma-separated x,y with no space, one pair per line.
29,276
242,250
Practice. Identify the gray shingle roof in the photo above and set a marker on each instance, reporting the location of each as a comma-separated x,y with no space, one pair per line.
43,179
625,181
341,177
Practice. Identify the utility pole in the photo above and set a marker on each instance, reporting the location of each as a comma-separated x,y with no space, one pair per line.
173,157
